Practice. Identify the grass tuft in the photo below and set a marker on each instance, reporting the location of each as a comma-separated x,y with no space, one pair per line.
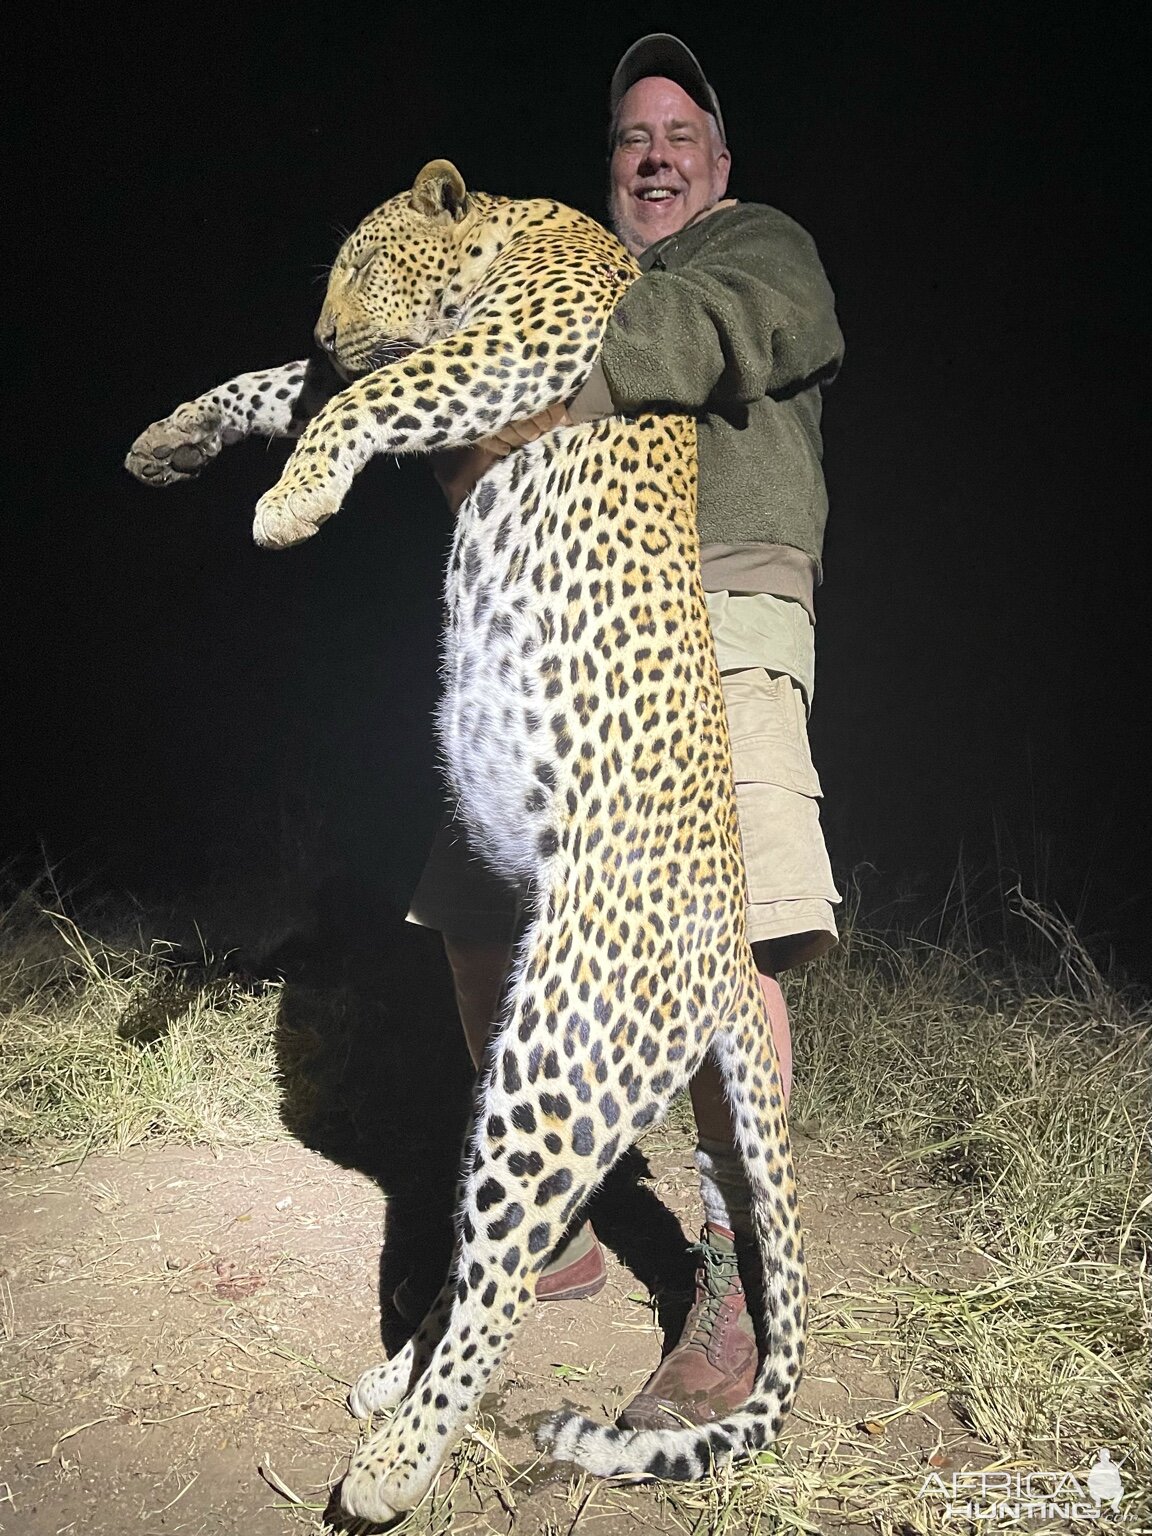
108,1044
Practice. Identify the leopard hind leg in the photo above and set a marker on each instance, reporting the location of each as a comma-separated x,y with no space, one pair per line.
746,1056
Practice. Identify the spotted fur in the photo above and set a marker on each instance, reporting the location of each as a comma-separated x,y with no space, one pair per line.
586,747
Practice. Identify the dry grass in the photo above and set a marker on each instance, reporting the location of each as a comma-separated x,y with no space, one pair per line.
108,1043
1019,1091
1024,1089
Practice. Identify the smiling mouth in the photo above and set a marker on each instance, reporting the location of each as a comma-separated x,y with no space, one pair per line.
656,194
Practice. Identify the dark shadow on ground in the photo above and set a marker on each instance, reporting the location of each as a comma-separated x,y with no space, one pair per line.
376,1077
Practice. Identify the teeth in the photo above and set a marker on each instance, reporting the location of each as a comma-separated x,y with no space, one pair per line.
656,194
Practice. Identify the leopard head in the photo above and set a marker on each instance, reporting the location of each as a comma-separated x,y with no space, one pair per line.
393,283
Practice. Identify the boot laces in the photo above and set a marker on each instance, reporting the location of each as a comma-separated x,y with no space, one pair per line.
718,1271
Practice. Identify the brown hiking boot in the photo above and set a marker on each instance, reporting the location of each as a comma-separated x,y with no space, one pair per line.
712,1369
575,1270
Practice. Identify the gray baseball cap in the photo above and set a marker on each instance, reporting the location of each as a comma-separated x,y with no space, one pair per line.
662,54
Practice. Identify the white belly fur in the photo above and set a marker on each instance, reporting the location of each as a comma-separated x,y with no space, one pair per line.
495,626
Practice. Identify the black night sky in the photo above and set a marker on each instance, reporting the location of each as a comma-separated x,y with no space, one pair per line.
185,705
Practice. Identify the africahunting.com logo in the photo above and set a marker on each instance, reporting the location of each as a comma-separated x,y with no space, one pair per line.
1007,1495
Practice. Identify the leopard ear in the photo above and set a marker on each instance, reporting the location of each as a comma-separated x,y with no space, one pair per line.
438,190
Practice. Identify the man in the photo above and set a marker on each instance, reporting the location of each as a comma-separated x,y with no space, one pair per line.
733,322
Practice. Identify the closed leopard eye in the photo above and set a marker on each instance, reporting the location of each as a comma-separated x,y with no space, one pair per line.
357,268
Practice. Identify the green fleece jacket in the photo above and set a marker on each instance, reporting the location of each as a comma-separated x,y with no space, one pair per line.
734,322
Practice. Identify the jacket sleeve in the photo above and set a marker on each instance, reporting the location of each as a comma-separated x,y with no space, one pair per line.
747,313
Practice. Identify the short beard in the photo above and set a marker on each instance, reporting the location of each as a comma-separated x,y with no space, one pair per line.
627,236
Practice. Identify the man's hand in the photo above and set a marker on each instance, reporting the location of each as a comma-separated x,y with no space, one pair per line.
518,433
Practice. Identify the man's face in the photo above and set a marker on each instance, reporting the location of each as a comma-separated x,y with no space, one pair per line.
668,163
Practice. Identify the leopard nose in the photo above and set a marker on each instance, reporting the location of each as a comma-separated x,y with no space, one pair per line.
325,332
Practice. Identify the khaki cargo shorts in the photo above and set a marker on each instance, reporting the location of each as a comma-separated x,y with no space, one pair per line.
790,888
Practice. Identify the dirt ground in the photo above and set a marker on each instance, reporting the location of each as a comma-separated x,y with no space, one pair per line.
180,1328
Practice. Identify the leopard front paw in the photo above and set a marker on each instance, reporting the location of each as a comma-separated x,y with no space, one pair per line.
363,1496
177,447
289,514
390,1474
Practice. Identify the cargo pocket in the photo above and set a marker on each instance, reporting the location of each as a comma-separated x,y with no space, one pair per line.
777,790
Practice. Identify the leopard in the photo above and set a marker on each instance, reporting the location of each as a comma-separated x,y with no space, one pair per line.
585,745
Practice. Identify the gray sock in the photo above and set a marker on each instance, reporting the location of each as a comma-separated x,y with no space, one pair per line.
723,1187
